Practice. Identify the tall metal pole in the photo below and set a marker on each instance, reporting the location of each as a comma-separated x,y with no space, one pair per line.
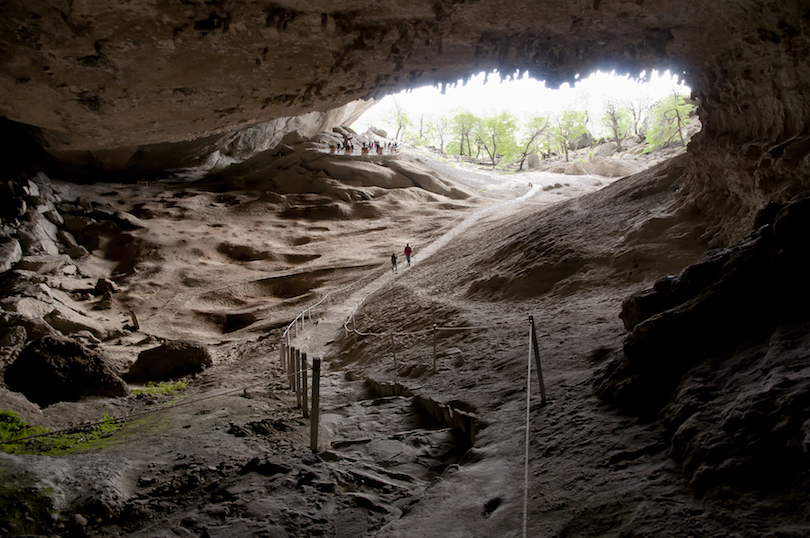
304,384
537,361
316,397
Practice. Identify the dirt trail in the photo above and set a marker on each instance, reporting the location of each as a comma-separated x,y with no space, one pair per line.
330,317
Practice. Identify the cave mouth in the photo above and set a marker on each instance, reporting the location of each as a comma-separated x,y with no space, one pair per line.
601,106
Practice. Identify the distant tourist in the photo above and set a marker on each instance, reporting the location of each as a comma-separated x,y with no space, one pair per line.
408,254
394,262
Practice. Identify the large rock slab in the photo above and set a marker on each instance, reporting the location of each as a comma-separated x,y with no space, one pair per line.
10,253
171,360
38,235
51,370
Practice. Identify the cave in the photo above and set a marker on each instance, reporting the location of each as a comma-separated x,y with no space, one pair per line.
702,365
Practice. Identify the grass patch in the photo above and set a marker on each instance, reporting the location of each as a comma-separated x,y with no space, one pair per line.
163,388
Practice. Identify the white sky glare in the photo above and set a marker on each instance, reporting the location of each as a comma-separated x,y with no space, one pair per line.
523,96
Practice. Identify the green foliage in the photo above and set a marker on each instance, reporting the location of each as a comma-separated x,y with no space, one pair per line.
669,116
617,121
162,388
463,124
400,119
495,133
530,139
13,427
569,125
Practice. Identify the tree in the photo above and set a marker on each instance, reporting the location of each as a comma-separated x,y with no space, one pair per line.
441,128
495,134
533,129
638,107
616,119
668,117
399,117
462,125
567,126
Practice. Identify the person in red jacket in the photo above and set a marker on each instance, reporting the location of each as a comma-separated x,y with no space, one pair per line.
408,254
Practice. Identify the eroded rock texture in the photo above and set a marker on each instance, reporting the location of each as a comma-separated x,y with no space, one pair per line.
720,354
51,370
109,82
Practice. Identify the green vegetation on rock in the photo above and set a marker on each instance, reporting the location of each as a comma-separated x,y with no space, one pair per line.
13,427
163,388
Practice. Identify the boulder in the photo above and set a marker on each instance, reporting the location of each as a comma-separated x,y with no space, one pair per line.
613,167
78,223
533,161
169,361
51,370
128,221
34,327
67,321
10,253
27,307
44,263
575,169
12,340
38,236
105,285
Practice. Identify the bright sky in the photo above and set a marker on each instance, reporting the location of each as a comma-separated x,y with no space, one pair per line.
523,96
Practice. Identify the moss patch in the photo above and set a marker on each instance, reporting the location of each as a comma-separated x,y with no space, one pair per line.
24,507
12,427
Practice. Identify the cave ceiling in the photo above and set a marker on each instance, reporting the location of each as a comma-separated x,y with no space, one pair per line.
98,75
105,73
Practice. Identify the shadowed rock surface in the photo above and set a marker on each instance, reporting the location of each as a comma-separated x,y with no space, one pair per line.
698,423
91,81
171,360
51,370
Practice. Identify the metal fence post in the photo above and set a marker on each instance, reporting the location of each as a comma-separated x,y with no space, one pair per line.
316,389
304,372
537,361
297,377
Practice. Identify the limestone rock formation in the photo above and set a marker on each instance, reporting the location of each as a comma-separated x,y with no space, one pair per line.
739,293
169,361
730,330
118,84
51,370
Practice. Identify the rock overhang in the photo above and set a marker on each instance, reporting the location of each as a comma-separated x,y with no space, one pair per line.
111,78
104,75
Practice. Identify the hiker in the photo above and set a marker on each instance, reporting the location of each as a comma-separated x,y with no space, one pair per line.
408,254
394,262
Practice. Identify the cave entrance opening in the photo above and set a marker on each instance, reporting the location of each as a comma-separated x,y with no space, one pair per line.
503,119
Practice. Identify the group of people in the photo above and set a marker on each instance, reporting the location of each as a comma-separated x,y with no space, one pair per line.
408,252
348,147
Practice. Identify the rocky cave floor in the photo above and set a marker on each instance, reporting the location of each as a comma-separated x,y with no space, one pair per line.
230,456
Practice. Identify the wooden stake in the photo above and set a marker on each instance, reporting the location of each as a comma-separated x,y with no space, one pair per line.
537,361
304,384
316,389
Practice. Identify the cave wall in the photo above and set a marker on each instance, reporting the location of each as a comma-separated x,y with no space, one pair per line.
108,76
